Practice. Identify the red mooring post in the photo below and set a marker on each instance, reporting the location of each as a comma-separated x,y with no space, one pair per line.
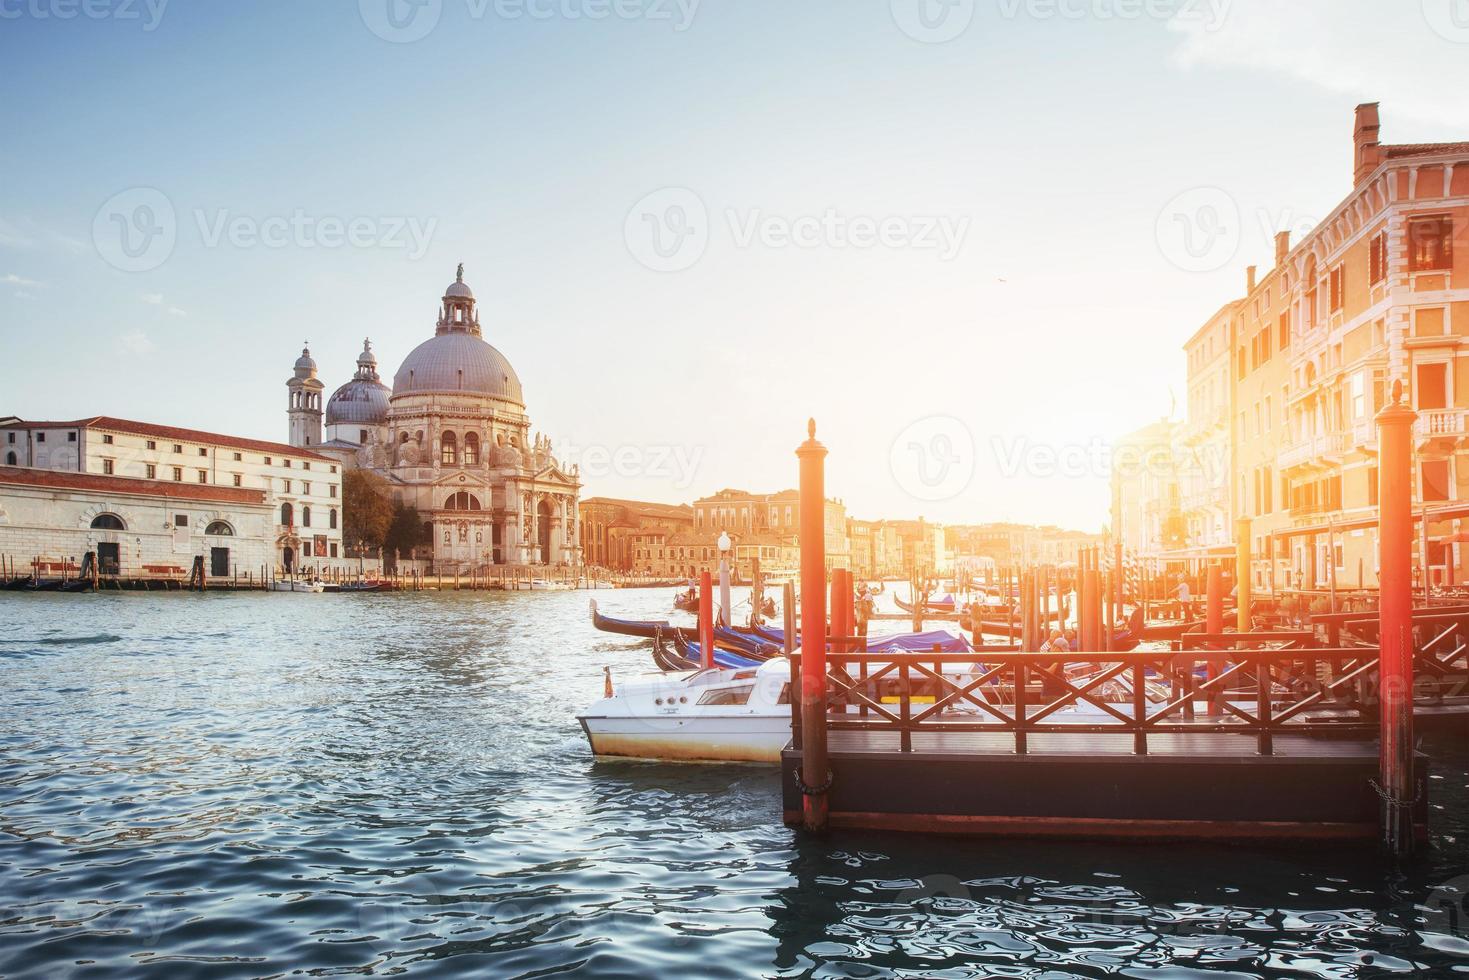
706,619
815,775
848,606
834,610
1213,624
1398,787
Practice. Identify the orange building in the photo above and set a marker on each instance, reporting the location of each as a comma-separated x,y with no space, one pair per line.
1378,292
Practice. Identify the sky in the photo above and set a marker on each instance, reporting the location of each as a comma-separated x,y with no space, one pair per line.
968,237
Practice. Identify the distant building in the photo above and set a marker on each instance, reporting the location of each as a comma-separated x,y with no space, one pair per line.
143,495
775,518
1147,486
633,535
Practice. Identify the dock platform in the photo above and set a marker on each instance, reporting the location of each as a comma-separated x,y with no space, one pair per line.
1189,786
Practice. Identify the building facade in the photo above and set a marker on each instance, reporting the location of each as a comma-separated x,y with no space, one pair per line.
452,438
1375,294
633,535
159,495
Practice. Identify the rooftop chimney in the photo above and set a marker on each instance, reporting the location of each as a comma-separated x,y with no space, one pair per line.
1282,247
1249,280
1366,150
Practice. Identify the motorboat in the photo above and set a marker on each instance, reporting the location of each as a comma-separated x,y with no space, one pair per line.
547,585
299,585
717,715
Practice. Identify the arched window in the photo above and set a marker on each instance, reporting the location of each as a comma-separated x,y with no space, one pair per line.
402,438
219,529
471,449
108,522
305,516
332,523
449,449
462,500
288,515
10,459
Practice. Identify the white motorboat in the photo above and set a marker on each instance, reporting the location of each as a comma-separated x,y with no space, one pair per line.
547,585
696,716
299,585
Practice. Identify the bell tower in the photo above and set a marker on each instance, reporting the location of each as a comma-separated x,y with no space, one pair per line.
303,405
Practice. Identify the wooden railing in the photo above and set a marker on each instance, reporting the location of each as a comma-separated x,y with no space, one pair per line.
1265,693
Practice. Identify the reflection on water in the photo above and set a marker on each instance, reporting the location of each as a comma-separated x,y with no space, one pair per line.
248,785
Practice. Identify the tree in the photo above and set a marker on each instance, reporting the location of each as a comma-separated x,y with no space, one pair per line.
407,532
367,514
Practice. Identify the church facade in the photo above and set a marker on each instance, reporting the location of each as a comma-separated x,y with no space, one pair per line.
452,438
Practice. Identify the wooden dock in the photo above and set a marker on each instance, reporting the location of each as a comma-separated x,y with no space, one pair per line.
1200,786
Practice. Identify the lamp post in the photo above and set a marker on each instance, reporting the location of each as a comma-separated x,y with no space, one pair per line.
724,546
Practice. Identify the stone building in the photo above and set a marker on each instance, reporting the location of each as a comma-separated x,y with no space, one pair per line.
632,535
1375,293
452,438
149,498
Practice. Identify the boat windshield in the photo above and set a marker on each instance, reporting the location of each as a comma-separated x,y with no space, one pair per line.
728,695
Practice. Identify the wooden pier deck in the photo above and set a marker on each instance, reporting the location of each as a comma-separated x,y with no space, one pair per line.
1189,786
1238,744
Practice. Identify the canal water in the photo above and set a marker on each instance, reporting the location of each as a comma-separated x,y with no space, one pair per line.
245,785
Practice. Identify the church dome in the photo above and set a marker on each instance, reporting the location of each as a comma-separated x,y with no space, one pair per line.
458,363
364,399
359,402
305,366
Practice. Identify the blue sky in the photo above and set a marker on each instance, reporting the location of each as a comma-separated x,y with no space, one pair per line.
531,142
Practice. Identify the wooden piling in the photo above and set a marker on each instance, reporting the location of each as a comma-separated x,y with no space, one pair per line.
1397,783
815,772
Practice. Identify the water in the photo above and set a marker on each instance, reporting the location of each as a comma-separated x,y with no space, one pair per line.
251,785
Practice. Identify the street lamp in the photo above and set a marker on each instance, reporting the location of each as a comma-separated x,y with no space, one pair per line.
724,546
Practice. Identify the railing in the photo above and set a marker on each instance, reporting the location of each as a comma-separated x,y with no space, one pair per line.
1440,422
1266,693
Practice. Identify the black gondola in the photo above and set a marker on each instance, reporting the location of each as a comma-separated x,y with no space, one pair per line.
645,628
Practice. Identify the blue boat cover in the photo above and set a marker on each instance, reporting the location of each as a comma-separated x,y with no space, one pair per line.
913,642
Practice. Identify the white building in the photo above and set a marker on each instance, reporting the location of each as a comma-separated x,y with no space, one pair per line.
144,495
452,438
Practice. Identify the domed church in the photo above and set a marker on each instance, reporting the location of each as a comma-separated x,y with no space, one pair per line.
451,437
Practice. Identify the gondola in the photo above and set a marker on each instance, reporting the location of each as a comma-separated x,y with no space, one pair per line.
16,584
645,628
723,657
45,585
77,585
686,602
944,605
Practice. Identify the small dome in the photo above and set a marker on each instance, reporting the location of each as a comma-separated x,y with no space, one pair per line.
358,402
458,362
367,359
304,362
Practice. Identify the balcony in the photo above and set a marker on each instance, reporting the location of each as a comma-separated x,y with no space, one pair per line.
1435,424
1322,451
